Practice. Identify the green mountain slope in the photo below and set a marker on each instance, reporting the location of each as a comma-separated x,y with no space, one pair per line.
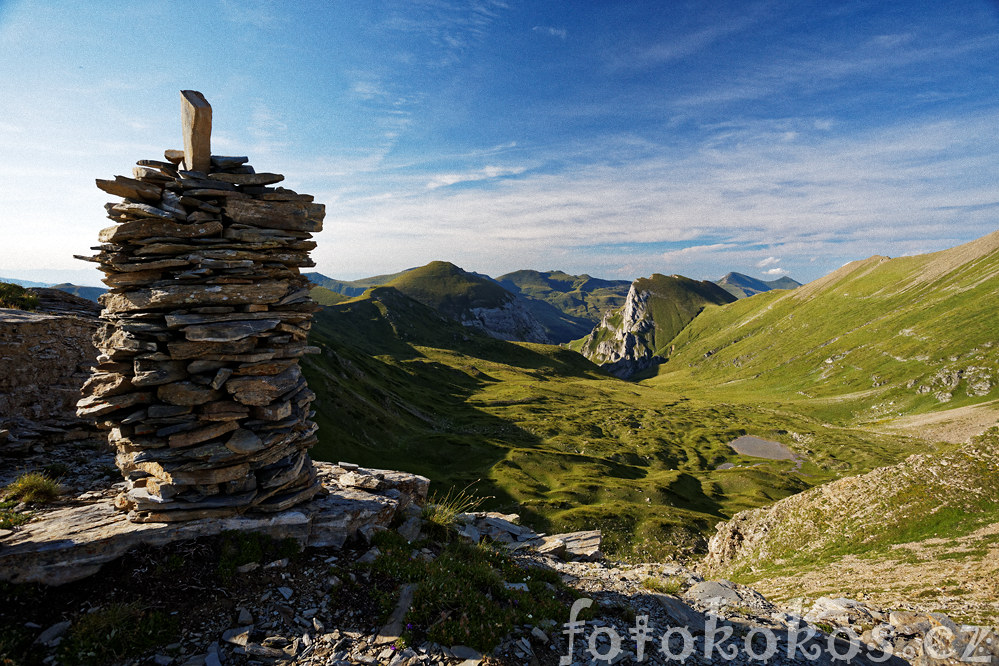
872,341
547,435
579,295
325,296
741,285
352,287
450,290
638,335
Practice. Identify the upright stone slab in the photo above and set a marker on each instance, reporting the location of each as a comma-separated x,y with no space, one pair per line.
197,382
196,117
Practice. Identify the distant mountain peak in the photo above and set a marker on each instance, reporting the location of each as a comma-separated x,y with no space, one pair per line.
741,285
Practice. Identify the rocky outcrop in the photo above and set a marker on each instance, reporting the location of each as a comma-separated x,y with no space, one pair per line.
72,542
636,337
507,321
628,344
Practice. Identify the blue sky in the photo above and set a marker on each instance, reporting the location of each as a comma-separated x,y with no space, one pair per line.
613,138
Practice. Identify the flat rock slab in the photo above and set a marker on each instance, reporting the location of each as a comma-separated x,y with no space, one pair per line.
72,543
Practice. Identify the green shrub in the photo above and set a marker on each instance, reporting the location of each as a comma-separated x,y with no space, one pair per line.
9,518
17,297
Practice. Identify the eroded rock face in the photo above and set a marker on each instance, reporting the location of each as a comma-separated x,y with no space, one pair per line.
627,347
511,321
197,381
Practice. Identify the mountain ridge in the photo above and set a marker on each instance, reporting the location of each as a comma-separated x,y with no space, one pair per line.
741,285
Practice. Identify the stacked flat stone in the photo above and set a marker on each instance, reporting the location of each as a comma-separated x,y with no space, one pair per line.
198,382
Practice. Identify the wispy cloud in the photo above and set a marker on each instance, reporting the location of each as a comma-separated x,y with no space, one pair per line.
829,199
486,173
560,33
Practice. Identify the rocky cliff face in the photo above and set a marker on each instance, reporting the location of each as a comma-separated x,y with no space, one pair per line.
623,342
657,308
509,321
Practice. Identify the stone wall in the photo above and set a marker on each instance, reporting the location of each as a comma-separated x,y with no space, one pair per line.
44,359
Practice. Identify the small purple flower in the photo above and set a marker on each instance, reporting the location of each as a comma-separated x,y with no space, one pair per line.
409,625
392,647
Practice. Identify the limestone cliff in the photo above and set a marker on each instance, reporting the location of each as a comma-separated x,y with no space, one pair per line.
636,337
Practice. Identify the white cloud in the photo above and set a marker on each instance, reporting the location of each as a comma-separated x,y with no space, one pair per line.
560,33
486,173
775,272
740,204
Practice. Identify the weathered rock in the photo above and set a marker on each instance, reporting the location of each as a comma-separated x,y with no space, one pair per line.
244,441
134,210
196,117
147,228
265,389
248,178
204,434
186,393
582,545
130,188
183,295
229,331
278,214
154,373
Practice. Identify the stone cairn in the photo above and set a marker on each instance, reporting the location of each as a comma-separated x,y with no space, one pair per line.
198,382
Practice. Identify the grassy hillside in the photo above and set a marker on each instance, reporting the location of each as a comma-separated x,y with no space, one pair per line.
899,532
544,433
325,296
674,302
873,341
450,290
580,296
352,288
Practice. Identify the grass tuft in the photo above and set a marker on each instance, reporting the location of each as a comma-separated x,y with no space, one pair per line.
444,510
34,487
672,585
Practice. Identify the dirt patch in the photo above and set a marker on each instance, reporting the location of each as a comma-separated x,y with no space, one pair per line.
956,425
